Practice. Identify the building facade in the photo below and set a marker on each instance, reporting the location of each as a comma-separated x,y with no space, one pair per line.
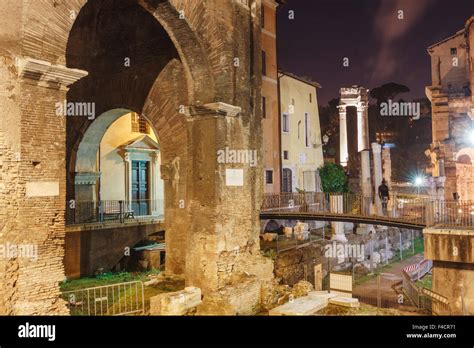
301,146
270,112
452,149
452,153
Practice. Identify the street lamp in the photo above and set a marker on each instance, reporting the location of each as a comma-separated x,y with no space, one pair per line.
419,181
470,136
325,139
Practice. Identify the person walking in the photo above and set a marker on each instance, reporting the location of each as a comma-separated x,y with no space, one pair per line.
384,195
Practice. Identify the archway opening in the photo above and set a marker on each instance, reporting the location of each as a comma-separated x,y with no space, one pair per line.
118,170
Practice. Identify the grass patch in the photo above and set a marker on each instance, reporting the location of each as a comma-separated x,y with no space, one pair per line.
426,281
106,279
127,295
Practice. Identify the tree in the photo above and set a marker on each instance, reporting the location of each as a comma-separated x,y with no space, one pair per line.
333,178
388,91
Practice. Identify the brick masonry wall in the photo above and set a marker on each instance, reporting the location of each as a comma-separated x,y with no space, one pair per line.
224,221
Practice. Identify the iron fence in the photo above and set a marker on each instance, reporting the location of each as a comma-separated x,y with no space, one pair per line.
108,300
423,298
113,211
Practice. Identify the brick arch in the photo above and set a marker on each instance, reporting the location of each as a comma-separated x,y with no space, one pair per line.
51,21
160,111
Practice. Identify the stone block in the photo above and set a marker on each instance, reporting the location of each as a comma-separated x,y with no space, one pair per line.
175,303
344,302
243,298
306,305
270,236
288,231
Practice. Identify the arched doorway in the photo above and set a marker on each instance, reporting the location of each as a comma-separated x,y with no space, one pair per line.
117,170
169,70
140,69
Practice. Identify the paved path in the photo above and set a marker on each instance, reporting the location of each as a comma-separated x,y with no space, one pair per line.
390,276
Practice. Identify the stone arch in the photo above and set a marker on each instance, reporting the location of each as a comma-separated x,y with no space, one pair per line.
157,90
64,13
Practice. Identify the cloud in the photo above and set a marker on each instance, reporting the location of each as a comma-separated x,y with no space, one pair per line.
388,28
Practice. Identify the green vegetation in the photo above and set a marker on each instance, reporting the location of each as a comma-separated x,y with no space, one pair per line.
426,281
106,279
127,295
333,178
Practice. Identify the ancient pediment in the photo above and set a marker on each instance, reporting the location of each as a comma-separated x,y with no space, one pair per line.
141,143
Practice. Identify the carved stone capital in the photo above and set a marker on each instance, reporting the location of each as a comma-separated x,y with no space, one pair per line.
215,109
89,178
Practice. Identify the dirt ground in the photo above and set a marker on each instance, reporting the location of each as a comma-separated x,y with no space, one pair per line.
390,276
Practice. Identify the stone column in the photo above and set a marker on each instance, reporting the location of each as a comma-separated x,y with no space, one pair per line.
387,165
366,183
336,204
362,127
343,149
154,177
376,152
128,180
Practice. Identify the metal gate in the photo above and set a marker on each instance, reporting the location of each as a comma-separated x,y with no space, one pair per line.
108,300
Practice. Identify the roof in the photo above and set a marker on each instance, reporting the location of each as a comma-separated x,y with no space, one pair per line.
459,32
303,79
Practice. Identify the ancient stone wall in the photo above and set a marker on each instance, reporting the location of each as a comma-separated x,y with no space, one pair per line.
212,73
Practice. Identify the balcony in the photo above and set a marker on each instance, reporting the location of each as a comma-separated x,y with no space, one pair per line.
114,211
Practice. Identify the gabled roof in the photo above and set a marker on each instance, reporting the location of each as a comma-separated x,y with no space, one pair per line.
141,142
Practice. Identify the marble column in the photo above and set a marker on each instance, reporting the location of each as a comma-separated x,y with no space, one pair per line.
387,165
377,154
366,183
336,204
362,127
343,149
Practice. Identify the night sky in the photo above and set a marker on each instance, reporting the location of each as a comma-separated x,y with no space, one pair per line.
381,48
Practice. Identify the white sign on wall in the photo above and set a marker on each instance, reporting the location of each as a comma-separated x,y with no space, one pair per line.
234,177
42,189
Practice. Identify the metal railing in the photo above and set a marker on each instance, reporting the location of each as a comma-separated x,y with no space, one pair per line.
424,298
109,300
113,211
412,209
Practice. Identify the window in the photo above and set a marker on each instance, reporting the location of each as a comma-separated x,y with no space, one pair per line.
286,155
286,123
306,129
139,124
310,98
292,101
264,107
264,63
454,51
299,127
287,182
263,17
269,177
